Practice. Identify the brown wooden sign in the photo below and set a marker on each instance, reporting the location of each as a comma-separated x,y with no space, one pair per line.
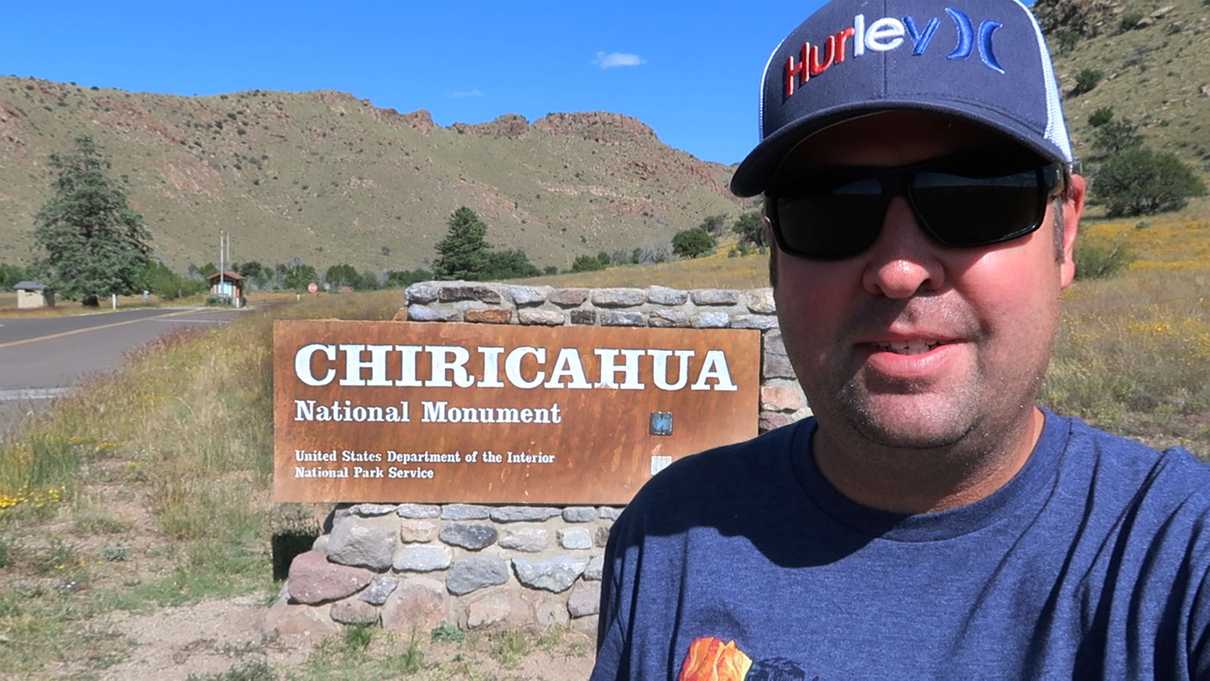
409,412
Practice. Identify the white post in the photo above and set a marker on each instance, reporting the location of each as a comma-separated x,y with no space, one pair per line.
221,264
115,300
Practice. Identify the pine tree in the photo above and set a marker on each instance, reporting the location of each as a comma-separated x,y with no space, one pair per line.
94,244
463,253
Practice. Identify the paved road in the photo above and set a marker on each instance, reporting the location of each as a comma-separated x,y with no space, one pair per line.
42,358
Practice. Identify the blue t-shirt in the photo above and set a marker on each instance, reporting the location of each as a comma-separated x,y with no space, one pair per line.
1091,563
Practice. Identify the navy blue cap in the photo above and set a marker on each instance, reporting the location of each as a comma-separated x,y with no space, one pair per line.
980,60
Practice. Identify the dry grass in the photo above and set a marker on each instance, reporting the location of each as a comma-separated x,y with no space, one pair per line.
718,270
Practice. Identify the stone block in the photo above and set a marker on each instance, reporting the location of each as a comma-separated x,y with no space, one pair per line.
584,600
471,537
417,531
422,558
490,315
456,291
714,296
501,607
475,572
379,589
584,317
776,361
586,625
420,604
660,295
770,420
320,544
549,611
609,512
521,514
528,295
354,611
372,510
418,511
575,538
711,320
314,579
568,297
525,539
665,319
760,301
363,542
579,514
620,318
600,536
555,574
422,293
424,313
596,567
465,512
618,297
753,321
540,317
782,396
291,619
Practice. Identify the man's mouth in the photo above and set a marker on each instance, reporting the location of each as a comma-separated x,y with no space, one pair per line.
912,347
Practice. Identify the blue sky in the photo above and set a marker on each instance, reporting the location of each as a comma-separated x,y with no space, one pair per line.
689,70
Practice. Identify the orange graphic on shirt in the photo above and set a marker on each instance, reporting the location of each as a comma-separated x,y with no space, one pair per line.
710,659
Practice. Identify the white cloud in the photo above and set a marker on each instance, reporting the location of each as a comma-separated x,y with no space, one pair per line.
463,94
613,60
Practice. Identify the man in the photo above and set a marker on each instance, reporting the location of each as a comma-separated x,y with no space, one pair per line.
930,522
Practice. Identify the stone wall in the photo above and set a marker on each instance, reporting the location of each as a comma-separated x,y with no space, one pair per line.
414,567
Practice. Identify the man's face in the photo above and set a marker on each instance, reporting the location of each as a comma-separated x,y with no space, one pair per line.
912,344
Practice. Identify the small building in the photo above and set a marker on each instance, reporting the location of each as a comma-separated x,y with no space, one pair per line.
231,286
32,295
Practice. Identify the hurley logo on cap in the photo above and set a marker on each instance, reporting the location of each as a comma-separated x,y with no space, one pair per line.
886,34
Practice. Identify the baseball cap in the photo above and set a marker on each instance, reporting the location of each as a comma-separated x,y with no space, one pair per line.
981,60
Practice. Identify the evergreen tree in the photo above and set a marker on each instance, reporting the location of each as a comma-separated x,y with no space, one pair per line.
94,244
463,253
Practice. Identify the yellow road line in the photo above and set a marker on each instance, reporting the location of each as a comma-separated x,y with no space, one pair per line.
73,332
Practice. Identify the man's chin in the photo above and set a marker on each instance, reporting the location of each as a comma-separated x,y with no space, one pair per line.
910,422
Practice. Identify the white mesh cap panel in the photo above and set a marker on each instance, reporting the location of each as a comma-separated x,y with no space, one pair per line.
760,93
1056,126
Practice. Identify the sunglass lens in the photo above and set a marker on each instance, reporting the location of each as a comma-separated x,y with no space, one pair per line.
976,209
832,221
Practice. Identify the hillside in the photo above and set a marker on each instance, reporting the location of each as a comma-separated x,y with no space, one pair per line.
330,178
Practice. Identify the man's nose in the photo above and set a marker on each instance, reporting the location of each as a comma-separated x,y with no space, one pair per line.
904,261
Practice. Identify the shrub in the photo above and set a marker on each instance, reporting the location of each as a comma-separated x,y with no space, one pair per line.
405,278
510,264
749,228
587,263
1086,81
713,224
1101,116
1142,181
1131,20
1116,136
550,269
693,243
1097,261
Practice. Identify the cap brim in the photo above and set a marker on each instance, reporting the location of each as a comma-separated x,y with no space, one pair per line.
754,172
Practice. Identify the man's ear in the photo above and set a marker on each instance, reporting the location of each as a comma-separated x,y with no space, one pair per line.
1073,210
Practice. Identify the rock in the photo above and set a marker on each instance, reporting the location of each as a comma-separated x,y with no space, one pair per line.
472,537
568,297
579,514
586,625
777,362
782,396
420,604
600,536
585,599
1206,90
424,313
314,579
422,558
711,320
753,321
596,567
664,319
549,611
526,539
476,572
290,619
372,510
354,611
618,297
418,511
616,318
760,301
575,538
421,293
364,543
380,588
465,512
584,317
528,295
774,420
540,317
320,544
714,296
491,315
659,295
417,531
551,574
461,291
609,512
498,608
517,514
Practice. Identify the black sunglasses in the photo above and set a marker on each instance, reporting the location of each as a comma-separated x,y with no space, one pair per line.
961,201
